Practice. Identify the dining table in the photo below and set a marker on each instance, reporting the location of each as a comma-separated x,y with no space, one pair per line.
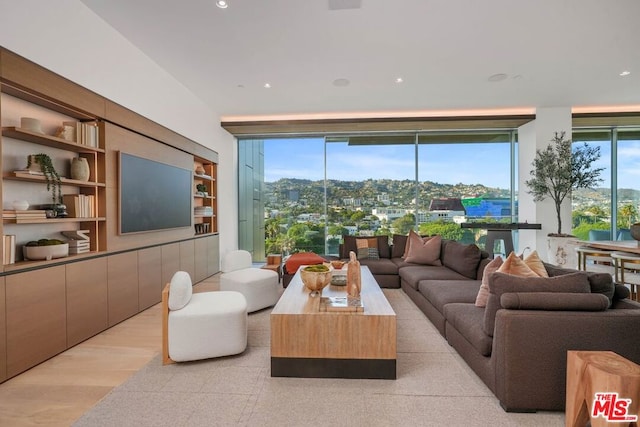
630,246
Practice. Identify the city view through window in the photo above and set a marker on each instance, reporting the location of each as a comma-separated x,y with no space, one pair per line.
315,190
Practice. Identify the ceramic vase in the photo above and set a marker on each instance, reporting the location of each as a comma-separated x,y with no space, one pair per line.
80,169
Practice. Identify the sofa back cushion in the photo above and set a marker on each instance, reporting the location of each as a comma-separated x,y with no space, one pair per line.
500,283
461,258
399,245
352,243
600,283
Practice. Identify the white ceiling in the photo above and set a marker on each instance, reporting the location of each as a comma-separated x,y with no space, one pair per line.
553,52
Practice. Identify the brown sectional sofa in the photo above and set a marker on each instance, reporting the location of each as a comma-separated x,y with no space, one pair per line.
518,344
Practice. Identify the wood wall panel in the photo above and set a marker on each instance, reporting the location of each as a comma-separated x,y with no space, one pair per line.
200,259
87,312
122,279
187,258
3,332
137,145
149,277
213,255
170,261
36,317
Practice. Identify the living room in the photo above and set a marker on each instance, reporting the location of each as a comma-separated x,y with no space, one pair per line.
121,65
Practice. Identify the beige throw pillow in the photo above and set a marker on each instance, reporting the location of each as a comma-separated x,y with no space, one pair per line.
534,262
483,293
514,265
424,250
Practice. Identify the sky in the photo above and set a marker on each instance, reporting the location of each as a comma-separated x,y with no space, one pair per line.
485,164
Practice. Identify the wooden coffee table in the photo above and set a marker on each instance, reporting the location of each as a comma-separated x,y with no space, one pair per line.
306,342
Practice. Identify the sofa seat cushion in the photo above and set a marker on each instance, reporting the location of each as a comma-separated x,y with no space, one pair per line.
442,292
412,274
380,266
467,320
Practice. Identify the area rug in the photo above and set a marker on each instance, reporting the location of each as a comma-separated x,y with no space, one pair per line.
434,388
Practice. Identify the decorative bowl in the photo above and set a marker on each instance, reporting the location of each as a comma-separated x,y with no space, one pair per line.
635,231
20,205
46,252
314,279
337,264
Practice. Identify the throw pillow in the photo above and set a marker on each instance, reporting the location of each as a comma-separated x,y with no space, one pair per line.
500,283
534,262
180,290
368,253
514,265
350,244
424,251
483,293
461,258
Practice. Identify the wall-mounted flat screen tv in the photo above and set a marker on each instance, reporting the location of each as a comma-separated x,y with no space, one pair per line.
153,195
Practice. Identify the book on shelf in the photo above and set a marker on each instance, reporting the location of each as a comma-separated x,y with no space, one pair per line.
28,215
79,205
19,172
9,249
86,133
76,234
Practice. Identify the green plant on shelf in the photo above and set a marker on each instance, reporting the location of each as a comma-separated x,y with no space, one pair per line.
51,176
202,189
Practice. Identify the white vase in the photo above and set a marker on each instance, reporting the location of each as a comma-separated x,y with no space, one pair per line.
80,169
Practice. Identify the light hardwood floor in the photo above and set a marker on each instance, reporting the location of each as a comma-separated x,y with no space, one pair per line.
58,391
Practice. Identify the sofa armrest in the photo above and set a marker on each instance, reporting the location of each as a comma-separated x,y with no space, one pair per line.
554,301
530,351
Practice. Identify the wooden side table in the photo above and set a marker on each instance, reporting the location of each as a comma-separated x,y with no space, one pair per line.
274,263
605,380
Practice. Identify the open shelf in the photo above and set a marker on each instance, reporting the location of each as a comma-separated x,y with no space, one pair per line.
17,176
47,140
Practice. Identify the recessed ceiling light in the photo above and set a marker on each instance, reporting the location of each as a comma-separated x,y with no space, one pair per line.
399,80
222,4
267,85
625,73
497,77
341,82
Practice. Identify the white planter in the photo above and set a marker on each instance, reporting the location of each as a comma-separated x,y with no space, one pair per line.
561,251
45,252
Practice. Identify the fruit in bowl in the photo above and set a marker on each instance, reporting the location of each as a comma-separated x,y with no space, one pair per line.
315,277
46,249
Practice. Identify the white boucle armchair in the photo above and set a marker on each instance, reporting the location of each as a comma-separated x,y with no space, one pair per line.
259,286
201,325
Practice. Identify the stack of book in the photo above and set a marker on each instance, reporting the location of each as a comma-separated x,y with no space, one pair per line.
9,249
79,241
86,133
80,205
203,211
25,216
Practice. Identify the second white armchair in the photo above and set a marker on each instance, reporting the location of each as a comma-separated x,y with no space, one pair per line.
259,286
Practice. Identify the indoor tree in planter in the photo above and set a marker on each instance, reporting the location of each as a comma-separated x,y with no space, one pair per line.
557,171
51,176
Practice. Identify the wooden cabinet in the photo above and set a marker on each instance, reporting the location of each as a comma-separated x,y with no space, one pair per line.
187,258
213,255
122,283
3,332
201,259
170,261
36,317
149,277
205,191
87,312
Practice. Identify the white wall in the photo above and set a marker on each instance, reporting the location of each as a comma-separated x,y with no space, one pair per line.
67,38
532,136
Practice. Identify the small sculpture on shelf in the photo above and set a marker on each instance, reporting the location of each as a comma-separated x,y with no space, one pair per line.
354,280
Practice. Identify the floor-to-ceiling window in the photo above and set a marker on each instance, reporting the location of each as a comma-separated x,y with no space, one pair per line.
303,194
628,180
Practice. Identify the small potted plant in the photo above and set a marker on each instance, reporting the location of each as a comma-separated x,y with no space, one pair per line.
42,163
202,189
45,249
